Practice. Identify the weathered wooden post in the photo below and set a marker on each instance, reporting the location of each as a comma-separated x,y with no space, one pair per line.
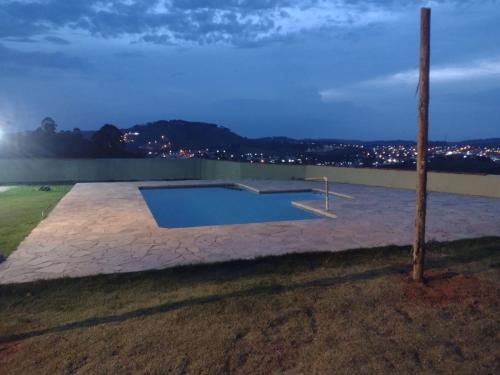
422,137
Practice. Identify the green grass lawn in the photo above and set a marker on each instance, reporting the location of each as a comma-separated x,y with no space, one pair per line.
21,209
345,313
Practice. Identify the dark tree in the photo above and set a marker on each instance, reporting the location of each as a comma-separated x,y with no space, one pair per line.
48,125
109,140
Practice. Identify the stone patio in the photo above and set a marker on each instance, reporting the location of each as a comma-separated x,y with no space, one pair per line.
108,228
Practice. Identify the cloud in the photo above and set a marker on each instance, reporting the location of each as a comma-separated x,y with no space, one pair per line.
55,60
235,22
20,40
474,71
57,40
128,54
332,95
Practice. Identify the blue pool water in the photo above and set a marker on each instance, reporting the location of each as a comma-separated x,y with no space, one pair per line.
193,207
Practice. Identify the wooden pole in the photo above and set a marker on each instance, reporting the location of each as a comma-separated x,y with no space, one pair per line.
422,137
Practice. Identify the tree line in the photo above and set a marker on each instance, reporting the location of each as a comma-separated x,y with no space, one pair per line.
47,142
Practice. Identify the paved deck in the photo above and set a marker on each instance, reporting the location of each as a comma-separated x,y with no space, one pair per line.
107,228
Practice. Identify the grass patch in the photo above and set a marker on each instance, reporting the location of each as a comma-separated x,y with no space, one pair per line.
21,209
322,313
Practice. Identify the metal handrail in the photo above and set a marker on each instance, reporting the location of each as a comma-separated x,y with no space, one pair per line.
327,191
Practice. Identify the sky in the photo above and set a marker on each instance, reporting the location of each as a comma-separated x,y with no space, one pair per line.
304,68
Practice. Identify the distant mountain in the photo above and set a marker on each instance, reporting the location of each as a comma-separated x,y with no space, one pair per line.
186,134
198,135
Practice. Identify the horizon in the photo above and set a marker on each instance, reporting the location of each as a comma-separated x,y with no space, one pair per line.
59,128
310,69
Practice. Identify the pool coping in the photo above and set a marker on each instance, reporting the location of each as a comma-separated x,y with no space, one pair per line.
304,206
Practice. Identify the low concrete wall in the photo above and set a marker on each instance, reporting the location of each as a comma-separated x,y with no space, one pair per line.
80,170
213,169
483,185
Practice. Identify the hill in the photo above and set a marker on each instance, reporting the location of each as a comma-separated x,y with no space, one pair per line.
199,135
185,134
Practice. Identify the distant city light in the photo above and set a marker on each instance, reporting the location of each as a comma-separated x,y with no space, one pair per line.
317,153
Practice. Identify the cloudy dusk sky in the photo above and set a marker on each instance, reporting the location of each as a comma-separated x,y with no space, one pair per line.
304,68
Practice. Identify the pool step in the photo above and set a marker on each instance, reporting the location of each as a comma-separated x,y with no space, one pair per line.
315,210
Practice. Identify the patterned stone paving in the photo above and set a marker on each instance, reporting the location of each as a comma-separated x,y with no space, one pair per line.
107,228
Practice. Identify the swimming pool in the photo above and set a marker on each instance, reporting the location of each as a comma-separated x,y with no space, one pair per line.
204,206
